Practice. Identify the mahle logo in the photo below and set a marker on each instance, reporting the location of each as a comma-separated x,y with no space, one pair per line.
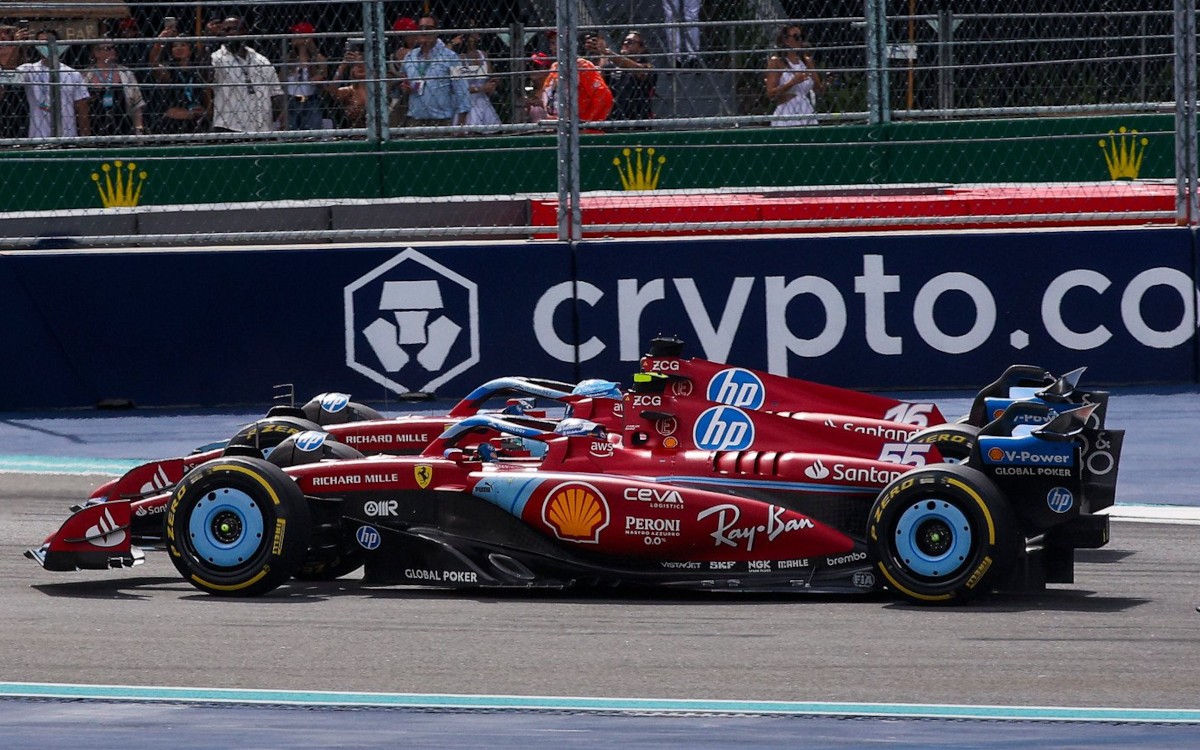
412,324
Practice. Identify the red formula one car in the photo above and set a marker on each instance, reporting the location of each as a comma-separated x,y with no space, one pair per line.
570,503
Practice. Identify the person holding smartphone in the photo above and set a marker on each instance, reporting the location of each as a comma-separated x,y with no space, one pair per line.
303,72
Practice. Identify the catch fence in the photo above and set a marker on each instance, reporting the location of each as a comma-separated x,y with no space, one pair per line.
153,123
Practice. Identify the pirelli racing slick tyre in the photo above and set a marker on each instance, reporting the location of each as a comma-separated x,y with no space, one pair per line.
954,441
261,437
237,526
330,555
942,535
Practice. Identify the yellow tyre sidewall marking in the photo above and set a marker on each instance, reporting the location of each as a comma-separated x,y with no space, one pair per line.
275,499
991,526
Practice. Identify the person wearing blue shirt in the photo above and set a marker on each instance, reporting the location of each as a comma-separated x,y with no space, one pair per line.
435,95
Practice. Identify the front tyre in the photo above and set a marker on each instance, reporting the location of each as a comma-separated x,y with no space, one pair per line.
237,527
942,535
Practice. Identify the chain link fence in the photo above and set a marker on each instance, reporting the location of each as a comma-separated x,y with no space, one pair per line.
157,123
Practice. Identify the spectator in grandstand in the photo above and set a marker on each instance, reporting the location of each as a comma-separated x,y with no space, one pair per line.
247,97
303,73
481,85
683,38
792,79
181,97
14,110
397,96
117,105
535,102
73,94
131,54
349,88
594,95
435,96
629,74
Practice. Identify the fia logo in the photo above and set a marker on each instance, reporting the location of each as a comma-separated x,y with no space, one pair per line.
723,428
737,387
412,324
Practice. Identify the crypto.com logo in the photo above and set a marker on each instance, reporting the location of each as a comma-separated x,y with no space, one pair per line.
412,324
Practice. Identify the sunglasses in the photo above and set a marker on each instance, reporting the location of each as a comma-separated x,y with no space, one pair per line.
249,82
427,28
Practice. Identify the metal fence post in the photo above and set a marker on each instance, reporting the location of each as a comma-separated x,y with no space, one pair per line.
375,59
1185,113
570,215
878,107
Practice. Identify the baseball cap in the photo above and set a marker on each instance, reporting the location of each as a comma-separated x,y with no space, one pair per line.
304,27
404,23
541,60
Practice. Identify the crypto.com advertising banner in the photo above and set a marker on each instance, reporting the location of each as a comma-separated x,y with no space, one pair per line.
198,327
948,310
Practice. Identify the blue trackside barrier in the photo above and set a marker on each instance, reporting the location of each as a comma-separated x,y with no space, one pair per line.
212,327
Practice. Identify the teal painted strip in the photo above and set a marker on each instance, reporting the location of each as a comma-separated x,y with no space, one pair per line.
630,705
64,465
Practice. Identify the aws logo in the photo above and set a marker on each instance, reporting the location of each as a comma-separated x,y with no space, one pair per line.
576,512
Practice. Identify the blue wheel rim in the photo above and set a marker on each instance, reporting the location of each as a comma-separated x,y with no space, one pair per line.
933,538
226,527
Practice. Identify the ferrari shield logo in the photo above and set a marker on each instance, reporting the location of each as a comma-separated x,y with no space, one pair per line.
424,474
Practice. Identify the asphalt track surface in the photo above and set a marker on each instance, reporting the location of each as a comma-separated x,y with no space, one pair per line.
1126,635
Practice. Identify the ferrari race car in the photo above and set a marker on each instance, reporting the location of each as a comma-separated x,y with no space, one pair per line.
510,501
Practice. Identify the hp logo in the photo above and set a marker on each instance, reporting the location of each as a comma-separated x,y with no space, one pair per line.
1060,499
737,387
310,440
334,402
368,537
723,428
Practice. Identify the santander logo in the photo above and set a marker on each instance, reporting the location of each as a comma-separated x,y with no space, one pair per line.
817,471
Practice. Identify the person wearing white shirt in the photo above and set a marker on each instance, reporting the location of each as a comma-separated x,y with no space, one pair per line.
39,80
247,97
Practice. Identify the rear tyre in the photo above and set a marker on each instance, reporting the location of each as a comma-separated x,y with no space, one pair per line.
942,535
953,441
237,527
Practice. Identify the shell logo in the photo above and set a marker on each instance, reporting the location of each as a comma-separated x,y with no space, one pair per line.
996,454
576,512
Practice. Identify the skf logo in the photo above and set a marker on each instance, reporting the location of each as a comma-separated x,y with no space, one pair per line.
576,512
412,324
121,185
737,387
723,428
423,474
